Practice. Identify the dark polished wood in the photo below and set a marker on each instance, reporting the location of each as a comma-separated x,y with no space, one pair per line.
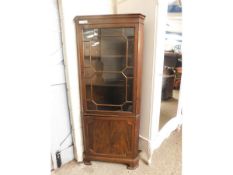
110,67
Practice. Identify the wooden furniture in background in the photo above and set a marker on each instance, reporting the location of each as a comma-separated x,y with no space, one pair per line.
110,64
178,76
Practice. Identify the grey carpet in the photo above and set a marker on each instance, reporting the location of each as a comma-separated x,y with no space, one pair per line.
168,110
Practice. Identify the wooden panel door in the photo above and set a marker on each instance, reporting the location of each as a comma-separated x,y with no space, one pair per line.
113,139
107,136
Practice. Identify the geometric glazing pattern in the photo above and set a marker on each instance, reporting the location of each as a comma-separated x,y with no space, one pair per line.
108,68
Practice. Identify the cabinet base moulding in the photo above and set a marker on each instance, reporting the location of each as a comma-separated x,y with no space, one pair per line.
131,163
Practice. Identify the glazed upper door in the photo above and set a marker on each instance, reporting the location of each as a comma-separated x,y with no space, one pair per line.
108,68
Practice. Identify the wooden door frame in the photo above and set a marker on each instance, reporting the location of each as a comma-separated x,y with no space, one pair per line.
158,136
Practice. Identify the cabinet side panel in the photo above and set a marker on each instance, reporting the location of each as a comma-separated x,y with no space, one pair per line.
139,67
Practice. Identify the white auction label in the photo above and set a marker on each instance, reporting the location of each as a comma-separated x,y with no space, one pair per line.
83,22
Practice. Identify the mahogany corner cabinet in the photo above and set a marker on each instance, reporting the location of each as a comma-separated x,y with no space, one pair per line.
109,51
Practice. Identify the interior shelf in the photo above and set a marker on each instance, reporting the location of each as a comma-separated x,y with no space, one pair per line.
107,85
108,56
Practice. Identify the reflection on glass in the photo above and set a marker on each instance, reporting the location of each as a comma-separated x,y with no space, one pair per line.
108,68
172,68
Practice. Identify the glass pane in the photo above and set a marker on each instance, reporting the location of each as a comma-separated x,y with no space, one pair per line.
111,32
113,63
86,46
130,89
128,72
108,68
109,108
88,72
113,46
89,34
108,88
88,89
95,48
128,32
91,105
131,51
128,106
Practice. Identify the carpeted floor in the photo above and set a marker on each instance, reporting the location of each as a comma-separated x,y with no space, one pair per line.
168,109
166,161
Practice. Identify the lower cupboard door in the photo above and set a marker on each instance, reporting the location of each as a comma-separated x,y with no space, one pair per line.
110,136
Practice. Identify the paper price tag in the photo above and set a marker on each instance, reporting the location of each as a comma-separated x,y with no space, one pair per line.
83,22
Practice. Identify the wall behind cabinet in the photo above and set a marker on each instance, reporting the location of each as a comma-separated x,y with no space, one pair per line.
68,10
61,139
